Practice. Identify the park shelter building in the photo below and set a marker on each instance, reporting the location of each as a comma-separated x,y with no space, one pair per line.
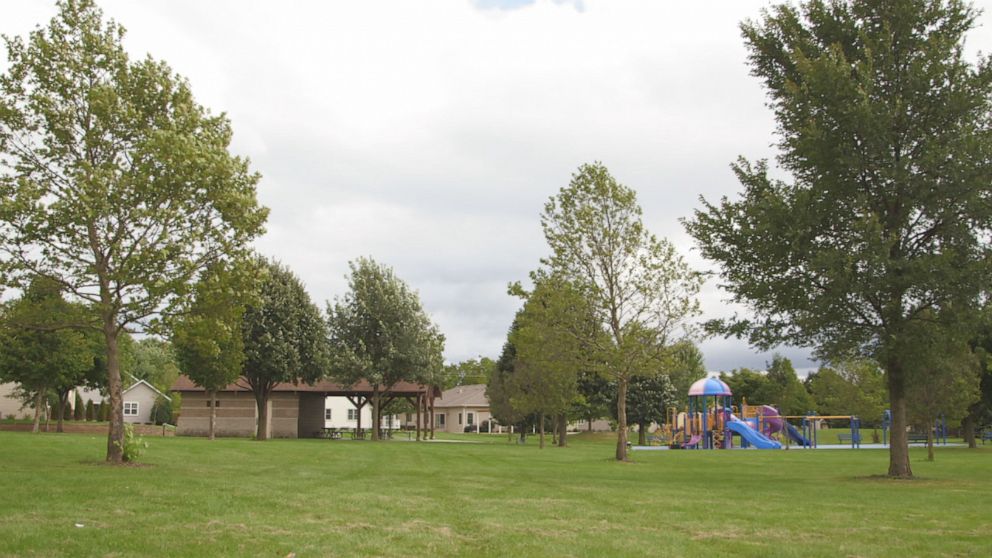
295,410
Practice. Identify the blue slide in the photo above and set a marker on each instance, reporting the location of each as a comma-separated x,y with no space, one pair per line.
796,436
756,439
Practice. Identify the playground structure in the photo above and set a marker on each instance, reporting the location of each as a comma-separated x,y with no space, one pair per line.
710,421
939,430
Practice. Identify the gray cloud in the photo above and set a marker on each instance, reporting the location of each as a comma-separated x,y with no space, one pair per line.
429,135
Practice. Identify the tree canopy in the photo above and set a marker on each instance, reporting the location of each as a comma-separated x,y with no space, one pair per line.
41,357
114,182
641,292
207,338
380,333
884,127
284,338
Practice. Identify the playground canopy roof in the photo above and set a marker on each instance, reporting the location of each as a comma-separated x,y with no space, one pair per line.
709,386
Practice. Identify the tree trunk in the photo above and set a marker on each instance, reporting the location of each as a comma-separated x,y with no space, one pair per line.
968,427
622,418
376,403
63,401
212,394
37,411
930,444
554,430
563,432
420,408
262,404
115,434
642,434
431,411
540,417
589,427
898,441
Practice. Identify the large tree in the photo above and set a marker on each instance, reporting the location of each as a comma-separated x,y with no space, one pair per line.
40,357
380,333
114,182
284,338
640,290
468,372
552,340
648,400
207,338
884,127
944,374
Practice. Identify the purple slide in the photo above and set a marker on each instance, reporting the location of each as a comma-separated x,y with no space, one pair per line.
694,440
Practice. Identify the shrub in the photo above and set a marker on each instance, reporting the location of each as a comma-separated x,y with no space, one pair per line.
104,414
133,446
162,411
90,414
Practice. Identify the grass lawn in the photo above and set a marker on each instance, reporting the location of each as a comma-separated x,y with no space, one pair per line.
345,498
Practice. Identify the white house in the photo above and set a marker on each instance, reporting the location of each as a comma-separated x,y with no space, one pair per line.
339,412
11,406
139,400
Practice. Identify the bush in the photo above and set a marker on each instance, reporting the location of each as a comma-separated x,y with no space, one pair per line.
471,428
162,411
104,414
134,445
90,413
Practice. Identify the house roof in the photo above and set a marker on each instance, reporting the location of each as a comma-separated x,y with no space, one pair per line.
362,387
135,384
464,396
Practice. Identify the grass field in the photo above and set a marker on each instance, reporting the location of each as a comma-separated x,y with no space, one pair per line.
344,498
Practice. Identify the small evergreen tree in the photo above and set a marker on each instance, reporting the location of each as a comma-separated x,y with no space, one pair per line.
78,408
90,412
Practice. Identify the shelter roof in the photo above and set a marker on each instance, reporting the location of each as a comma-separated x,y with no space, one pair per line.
473,395
362,387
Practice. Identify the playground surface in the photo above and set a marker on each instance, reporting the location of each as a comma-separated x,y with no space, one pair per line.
236,497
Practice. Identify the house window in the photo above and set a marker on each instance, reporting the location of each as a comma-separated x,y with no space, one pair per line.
352,414
459,419
409,417
208,403
439,420
327,414
471,419
130,408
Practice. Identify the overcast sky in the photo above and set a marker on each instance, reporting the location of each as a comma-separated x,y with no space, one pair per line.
428,135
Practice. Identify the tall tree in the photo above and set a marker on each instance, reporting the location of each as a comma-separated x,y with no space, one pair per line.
884,127
787,392
284,338
850,387
500,389
380,333
114,182
468,372
980,411
748,385
641,291
153,360
648,401
38,355
944,374
207,337
687,366
552,346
